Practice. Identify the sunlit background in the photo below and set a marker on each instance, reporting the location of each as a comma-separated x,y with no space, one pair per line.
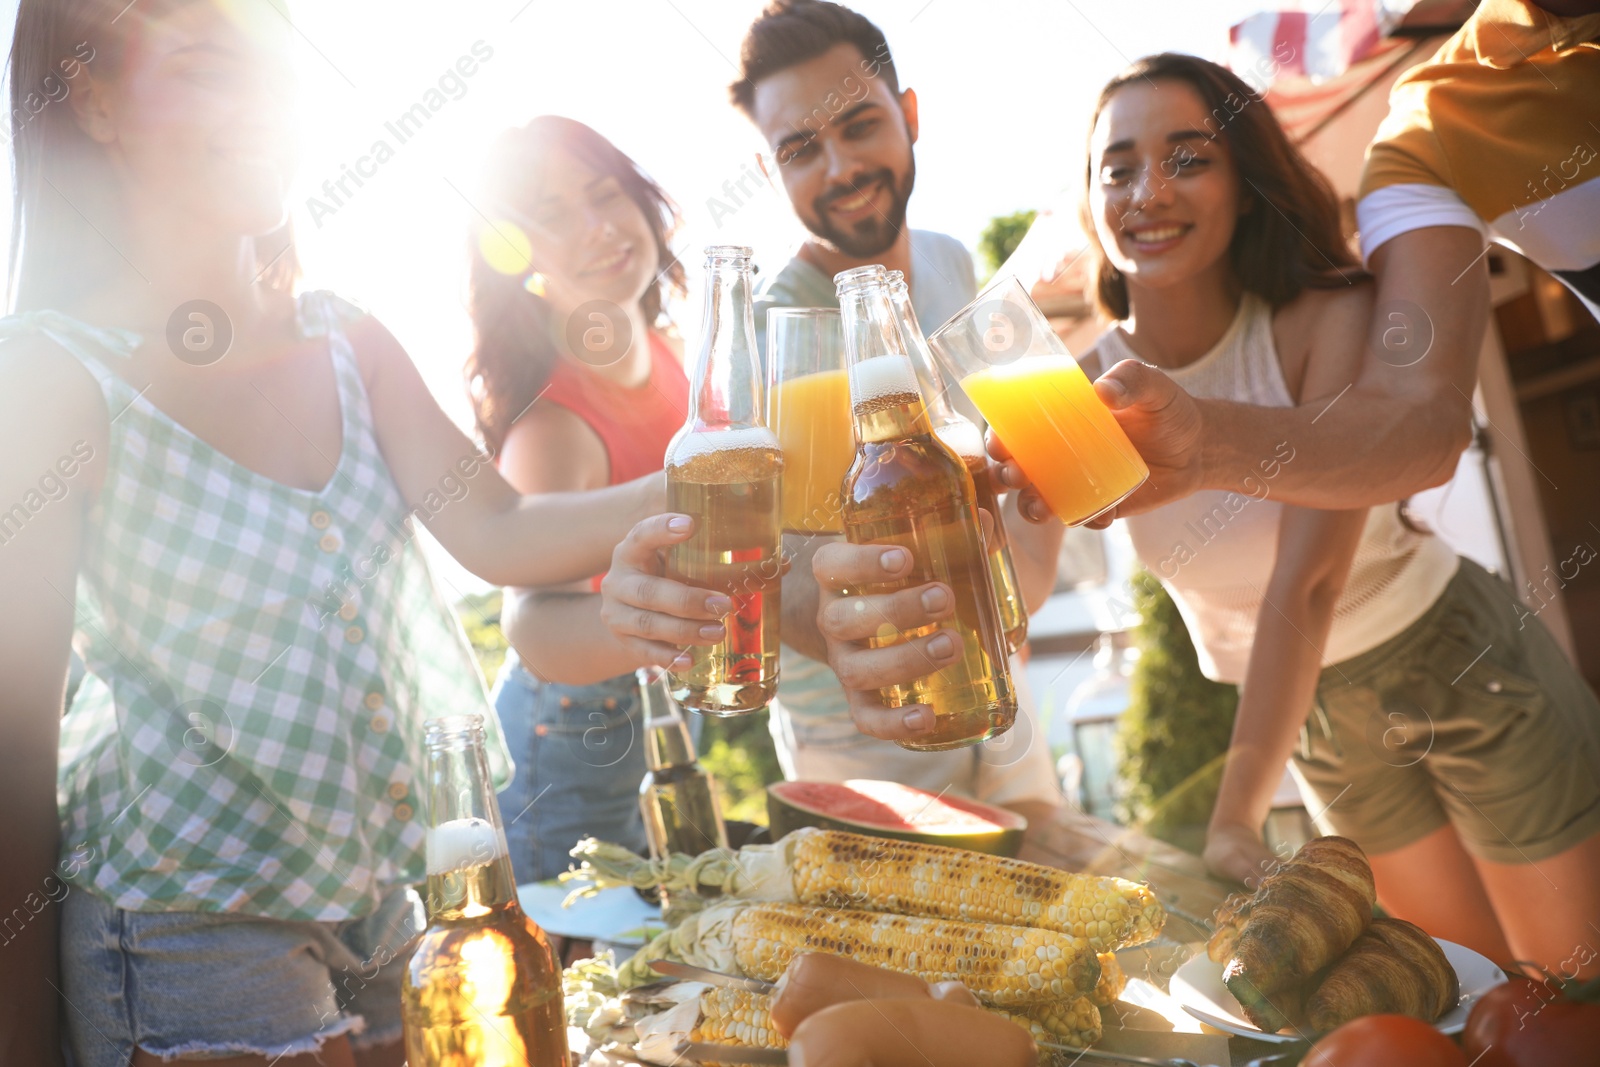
1005,87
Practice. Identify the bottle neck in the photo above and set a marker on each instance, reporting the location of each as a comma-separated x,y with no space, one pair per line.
469,865
726,391
940,411
886,397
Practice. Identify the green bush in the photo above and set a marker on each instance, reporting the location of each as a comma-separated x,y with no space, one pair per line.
1172,739
1001,237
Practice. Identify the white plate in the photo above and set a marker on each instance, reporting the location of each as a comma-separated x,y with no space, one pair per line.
618,915
1198,989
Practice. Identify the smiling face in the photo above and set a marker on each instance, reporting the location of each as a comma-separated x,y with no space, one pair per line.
197,119
588,238
1165,199
842,141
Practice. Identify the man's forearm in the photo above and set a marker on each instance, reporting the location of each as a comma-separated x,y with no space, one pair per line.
1360,450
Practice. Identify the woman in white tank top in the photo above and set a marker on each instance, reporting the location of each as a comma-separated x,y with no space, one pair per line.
1444,730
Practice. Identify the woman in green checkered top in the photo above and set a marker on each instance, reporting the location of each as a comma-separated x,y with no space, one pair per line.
212,488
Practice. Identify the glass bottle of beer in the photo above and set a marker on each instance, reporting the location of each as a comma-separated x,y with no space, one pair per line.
966,440
909,488
723,469
677,797
481,989
679,801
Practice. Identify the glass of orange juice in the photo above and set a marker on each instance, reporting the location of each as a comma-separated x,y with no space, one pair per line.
808,407
1025,383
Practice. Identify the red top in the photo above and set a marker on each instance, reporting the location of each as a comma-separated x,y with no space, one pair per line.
634,424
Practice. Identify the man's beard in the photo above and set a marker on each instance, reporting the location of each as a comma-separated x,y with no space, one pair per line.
875,234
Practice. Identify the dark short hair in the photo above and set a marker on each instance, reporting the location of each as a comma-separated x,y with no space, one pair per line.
792,31
1290,242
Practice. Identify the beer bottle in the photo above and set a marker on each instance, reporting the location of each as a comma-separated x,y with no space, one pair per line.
966,440
722,469
908,488
481,989
677,797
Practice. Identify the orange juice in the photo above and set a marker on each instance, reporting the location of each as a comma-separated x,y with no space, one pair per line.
811,415
1062,436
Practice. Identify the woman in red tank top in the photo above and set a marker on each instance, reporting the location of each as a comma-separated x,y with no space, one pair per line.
576,386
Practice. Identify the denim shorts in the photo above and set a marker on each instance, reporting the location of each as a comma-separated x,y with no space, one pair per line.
208,985
579,751
1471,716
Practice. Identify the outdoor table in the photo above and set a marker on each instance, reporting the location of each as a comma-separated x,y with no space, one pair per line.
1148,1021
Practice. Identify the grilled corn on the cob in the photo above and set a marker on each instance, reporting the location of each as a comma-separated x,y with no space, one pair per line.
1002,965
845,870
731,1016
1058,1022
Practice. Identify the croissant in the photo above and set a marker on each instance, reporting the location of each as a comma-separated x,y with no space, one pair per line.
1393,969
1302,919
1230,919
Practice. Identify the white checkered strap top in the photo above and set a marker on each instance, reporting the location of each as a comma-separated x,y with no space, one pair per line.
261,661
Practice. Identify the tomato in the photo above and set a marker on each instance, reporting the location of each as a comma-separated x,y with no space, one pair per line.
1523,1023
1385,1041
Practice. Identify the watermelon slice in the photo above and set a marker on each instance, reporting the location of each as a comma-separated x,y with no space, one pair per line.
889,809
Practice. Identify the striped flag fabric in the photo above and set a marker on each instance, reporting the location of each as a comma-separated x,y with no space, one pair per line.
1314,40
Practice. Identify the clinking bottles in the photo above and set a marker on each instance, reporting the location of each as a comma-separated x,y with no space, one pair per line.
482,989
966,440
908,488
723,469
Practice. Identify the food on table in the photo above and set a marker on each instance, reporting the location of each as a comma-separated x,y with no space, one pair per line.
1390,1041
815,980
1229,920
1002,965
895,811
1304,916
1112,981
843,870
1058,1022
1524,1023
731,1016
1394,968
920,1031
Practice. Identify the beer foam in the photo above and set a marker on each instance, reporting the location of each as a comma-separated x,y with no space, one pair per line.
882,376
707,442
461,844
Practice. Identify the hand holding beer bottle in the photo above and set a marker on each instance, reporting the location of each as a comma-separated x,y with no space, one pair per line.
723,470
908,488
966,441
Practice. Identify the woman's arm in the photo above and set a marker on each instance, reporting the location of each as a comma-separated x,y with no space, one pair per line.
557,630
49,407
495,532
1035,550
1315,549
1314,553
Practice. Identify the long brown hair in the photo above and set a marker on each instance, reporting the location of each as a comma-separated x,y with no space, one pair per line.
65,216
1291,240
516,342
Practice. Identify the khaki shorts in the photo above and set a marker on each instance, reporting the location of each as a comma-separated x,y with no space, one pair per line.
1471,716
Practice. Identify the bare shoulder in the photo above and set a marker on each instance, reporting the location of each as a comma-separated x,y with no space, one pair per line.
1325,325
51,412
42,385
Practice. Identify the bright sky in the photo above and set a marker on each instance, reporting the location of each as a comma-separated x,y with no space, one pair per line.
1004,85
